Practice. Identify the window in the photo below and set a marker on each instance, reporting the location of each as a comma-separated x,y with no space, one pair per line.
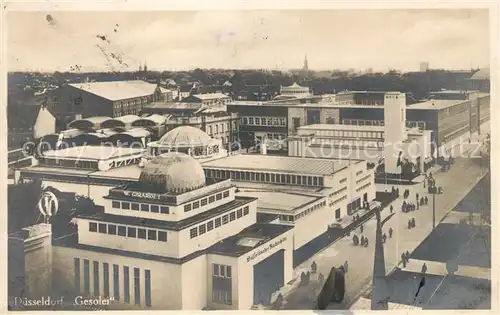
86,276
134,206
126,284
210,225
187,207
92,227
226,194
239,213
196,205
219,196
162,236
193,233
77,274
105,270
202,229
217,222
164,210
102,228
155,209
132,232
225,219
147,287
246,210
203,202
137,286
152,235
96,278
232,216
115,204
126,205
111,229
221,284
141,233
116,282
144,207
337,214
211,199
122,231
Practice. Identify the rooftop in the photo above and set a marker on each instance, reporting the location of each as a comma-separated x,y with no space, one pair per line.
210,96
248,239
296,165
436,104
117,90
96,153
174,105
279,201
482,74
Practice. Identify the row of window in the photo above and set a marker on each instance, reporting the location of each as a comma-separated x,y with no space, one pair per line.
116,282
71,163
145,207
338,200
203,202
363,122
214,129
363,179
218,222
264,121
132,232
350,134
359,172
364,187
265,177
341,190
276,136
309,210
343,180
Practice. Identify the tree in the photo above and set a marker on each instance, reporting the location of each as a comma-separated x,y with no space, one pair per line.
22,201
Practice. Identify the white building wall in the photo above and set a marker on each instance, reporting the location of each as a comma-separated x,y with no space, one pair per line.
245,268
188,245
319,219
194,278
169,248
296,112
165,277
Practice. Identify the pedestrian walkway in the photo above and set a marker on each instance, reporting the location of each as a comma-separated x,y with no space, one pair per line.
457,182
364,304
439,269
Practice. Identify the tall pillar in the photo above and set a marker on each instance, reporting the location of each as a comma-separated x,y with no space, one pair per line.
38,260
380,293
394,129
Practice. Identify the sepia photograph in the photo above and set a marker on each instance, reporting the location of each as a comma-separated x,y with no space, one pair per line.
333,159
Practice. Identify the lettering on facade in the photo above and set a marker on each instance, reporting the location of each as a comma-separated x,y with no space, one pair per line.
137,194
265,249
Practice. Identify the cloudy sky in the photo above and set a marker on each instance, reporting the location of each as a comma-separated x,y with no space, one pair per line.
378,39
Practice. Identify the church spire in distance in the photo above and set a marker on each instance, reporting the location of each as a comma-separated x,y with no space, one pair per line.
306,64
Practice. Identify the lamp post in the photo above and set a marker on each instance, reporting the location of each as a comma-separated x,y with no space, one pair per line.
433,189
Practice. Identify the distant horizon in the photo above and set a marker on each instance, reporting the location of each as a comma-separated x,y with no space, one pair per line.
247,40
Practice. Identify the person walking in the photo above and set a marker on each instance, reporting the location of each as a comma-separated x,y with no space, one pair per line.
403,260
424,268
409,224
361,228
391,208
366,241
346,266
407,255
362,240
390,232
384,238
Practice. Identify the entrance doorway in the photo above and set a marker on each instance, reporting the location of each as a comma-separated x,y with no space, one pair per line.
268,277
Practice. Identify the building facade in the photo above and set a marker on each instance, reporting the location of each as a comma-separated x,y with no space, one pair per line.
172,241
112,99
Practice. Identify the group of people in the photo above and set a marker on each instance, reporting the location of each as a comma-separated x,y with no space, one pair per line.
405,258
363,241
411,223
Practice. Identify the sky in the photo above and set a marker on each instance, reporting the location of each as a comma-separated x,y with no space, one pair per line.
332,39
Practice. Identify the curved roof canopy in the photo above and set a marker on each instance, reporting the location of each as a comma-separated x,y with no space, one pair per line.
86,123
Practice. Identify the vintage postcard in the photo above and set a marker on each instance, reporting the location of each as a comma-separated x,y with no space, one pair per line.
248,159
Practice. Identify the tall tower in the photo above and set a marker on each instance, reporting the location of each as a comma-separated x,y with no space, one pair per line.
145,67
380,294
394,130
305,68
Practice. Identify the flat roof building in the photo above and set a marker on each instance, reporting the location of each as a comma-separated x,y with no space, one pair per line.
173,240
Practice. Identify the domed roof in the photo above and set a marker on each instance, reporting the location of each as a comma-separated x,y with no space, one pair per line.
185,136
172,172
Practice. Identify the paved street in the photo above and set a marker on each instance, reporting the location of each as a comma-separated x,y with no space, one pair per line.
456,183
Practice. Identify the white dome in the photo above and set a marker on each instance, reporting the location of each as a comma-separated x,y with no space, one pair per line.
173,172
185,136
